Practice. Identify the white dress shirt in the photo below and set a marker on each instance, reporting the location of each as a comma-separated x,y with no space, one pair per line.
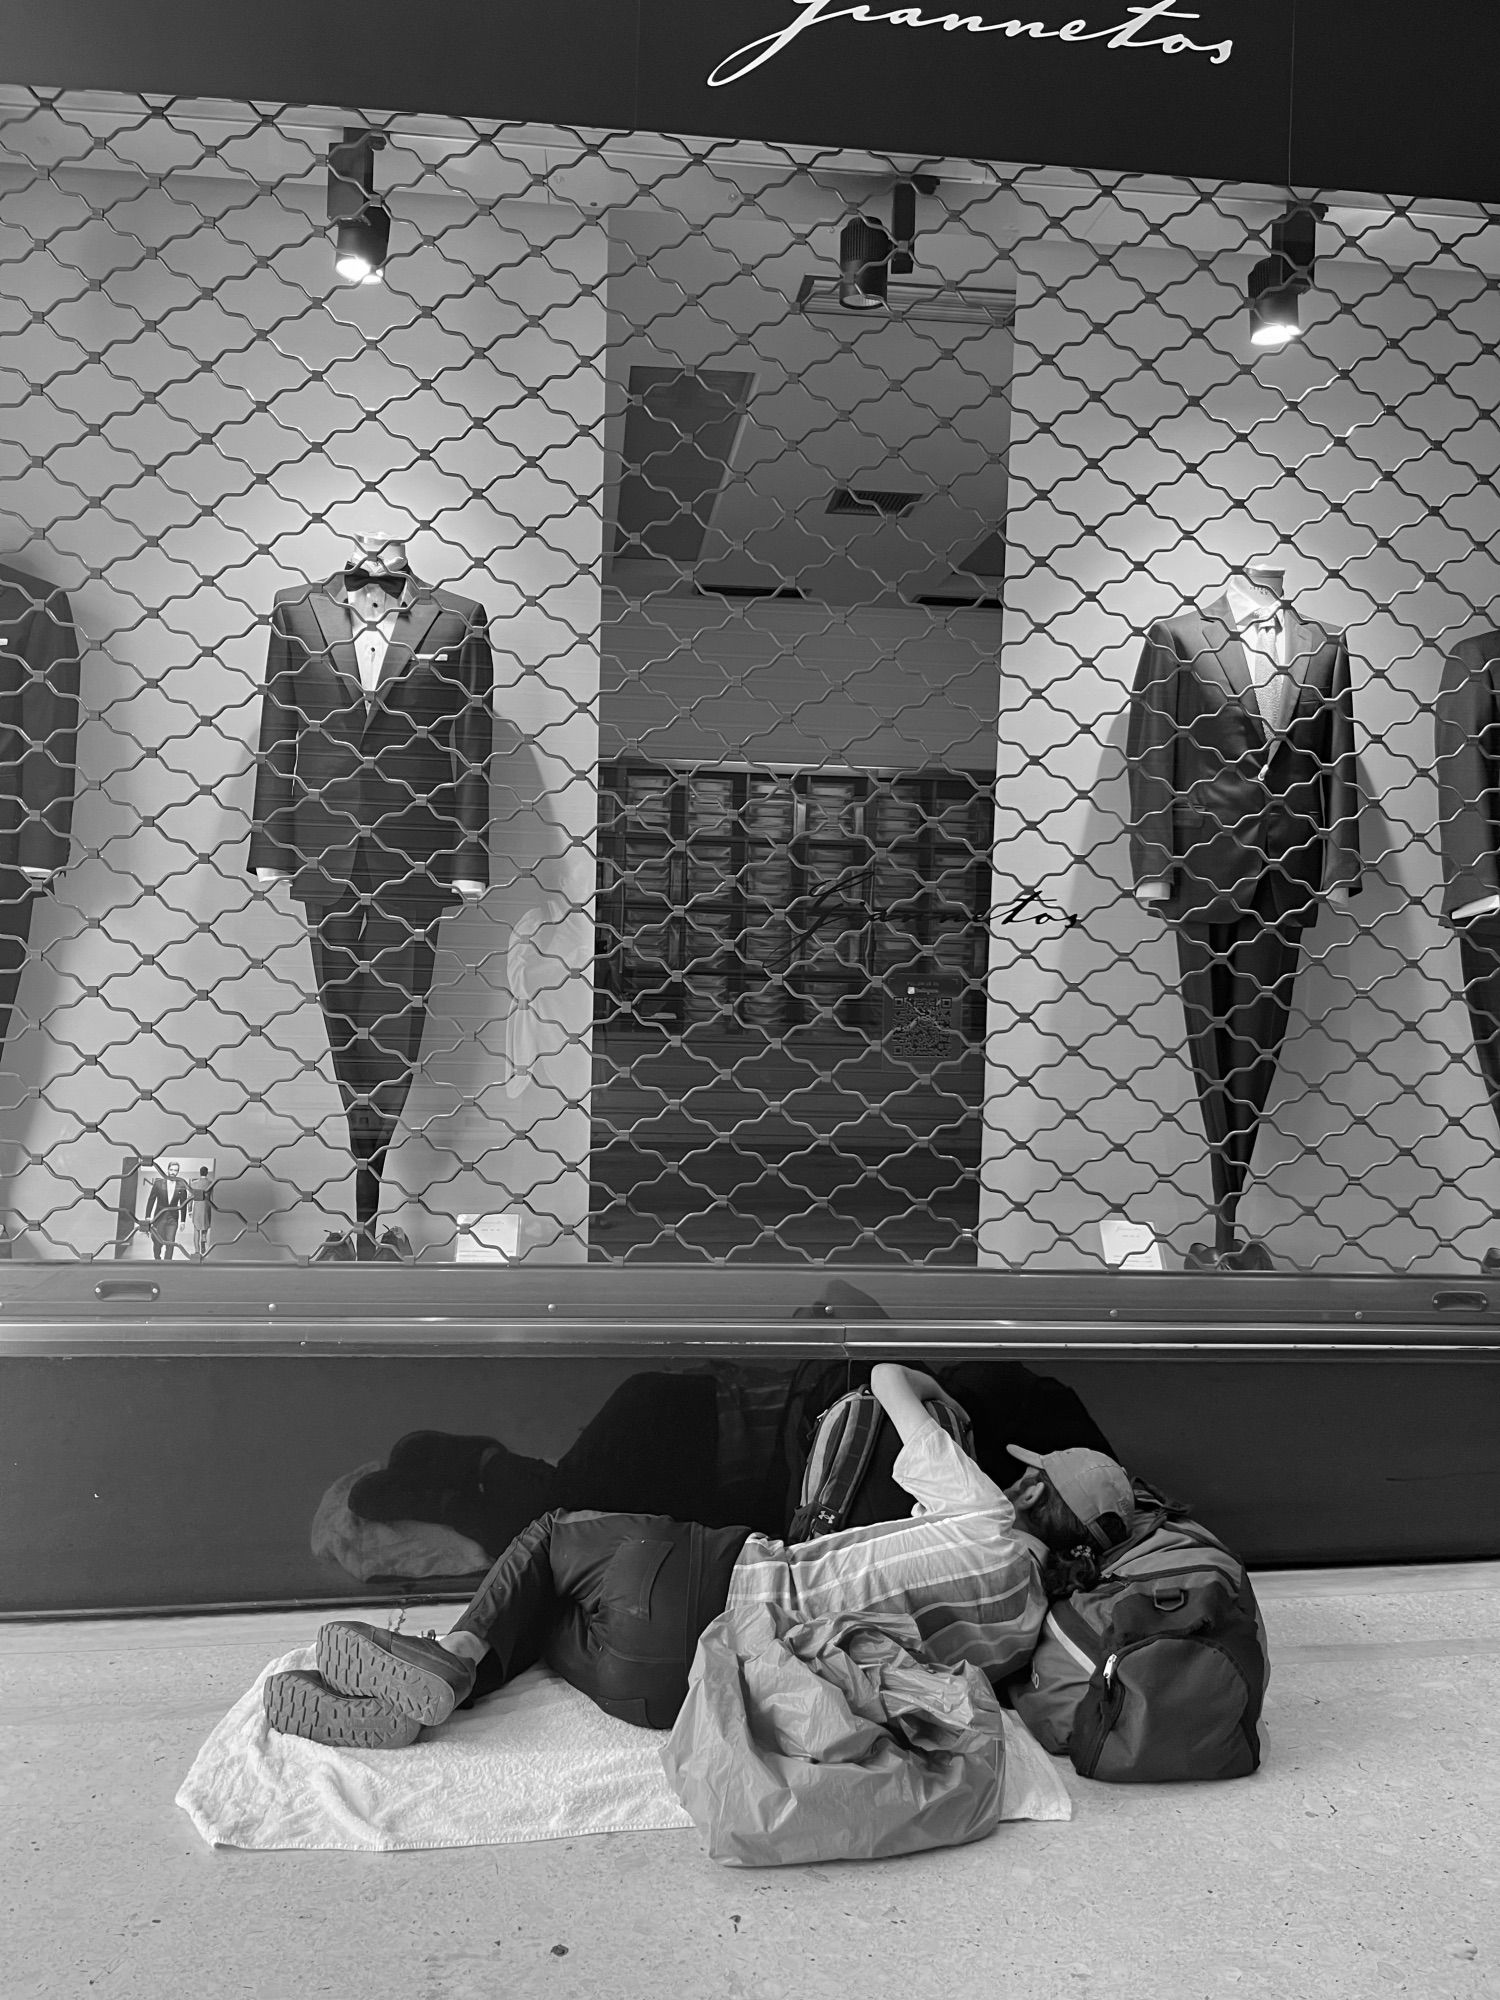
373,613
1261,624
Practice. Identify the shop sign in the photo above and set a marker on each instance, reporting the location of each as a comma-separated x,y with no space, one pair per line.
1311,93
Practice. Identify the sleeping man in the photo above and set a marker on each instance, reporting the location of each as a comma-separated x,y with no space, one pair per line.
615,1603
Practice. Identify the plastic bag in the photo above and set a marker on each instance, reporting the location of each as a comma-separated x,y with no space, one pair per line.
832,1741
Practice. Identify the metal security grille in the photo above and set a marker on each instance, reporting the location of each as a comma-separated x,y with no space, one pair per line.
626,737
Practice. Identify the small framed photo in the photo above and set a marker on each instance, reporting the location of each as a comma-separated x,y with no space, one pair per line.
166,1207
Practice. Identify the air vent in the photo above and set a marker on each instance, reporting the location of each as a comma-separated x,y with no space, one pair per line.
873,500
747,590
946,601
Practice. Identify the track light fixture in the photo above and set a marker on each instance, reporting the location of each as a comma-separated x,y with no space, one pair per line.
870,254
1278,281
864,265
363,225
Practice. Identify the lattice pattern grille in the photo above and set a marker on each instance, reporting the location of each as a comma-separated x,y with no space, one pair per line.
618,846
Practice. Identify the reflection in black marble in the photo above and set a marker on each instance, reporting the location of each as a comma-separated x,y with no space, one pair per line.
722,1443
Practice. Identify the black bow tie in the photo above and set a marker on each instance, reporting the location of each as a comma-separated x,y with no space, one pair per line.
393,583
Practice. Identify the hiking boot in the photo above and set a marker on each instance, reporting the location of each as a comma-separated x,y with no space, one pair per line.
303,1704
415,1675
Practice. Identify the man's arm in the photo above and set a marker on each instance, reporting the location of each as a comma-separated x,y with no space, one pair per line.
902,1393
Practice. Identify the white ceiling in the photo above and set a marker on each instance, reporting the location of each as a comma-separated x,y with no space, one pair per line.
838,400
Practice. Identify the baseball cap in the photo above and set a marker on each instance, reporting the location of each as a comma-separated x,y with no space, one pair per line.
1090,1483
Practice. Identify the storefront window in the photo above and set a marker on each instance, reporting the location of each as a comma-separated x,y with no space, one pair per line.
578,698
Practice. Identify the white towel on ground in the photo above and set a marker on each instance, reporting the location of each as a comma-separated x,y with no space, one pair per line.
537,1761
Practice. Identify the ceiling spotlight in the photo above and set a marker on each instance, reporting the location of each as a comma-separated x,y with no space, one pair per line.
363,224
361,246
1277,282
869,253
864,265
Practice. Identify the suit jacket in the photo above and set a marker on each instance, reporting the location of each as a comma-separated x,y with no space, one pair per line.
1233,819
1466,729
167,1199
392,792
38,722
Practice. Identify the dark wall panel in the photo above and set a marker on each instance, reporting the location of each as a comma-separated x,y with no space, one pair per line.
140,1482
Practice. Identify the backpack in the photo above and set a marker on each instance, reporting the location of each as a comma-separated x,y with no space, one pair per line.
1156,1672
847,1480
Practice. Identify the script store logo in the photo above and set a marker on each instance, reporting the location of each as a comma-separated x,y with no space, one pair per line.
1141,29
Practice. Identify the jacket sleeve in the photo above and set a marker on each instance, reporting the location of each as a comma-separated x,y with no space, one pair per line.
273,833
473,743
1465,782
1341,858
1151,760
48,721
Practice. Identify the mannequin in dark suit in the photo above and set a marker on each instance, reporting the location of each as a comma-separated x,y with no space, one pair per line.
372,798
1244,807
1466,728
38,746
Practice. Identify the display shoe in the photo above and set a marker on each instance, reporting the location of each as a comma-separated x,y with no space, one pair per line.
337,1247
1250,1255
303,1704
394,1246
415,1675
1204,1257
1490,1268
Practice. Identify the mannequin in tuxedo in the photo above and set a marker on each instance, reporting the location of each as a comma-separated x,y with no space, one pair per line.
1244,806
372,800
38,747
1466,731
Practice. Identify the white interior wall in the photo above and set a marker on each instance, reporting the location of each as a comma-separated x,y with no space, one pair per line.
1153,447
197,414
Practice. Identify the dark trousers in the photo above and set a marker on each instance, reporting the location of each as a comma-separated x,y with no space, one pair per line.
17,901
1237,981
613,1602
374,963
1479,952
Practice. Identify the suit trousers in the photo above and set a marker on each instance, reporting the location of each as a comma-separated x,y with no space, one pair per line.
614,1603
1479,953
17,901
1237,981
374,964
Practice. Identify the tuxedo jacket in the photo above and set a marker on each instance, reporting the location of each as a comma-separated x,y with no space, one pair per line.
166,1198
38,722
1466,729
390,793
1234,819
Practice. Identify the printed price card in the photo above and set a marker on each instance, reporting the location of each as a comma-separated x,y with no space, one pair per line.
1130,1246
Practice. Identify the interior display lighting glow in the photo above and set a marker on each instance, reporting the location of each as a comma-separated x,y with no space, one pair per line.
361,246
1278,282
